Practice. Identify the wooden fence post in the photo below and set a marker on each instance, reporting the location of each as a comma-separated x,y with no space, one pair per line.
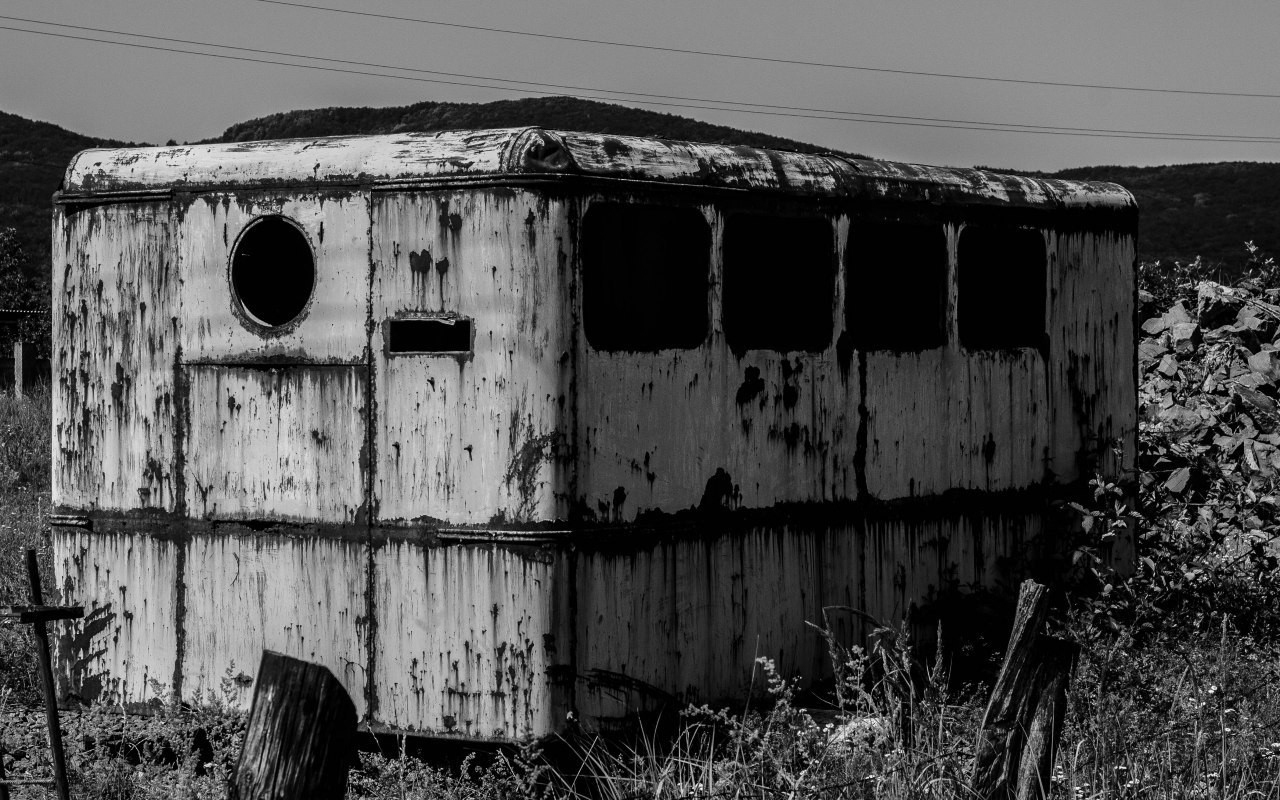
1053,674
1018,739
301,734
24,367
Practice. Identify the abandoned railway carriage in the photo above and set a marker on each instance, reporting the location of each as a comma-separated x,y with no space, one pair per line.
509,426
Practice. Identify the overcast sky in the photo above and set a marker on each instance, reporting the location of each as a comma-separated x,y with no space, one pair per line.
147,95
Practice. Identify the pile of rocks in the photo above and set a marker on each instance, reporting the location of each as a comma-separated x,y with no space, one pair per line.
1209,401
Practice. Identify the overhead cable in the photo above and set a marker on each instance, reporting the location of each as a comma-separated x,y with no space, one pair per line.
873,119
773,60
573,88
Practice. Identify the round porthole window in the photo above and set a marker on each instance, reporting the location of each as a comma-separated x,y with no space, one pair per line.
272,271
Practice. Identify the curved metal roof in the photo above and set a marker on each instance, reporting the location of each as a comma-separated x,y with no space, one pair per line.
422,158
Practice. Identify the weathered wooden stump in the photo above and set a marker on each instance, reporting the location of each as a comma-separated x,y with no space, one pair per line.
1018,739
301,734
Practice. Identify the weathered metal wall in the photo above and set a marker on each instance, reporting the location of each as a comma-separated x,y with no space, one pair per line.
278,442
115,341
276,430
473,639
167,402
476,439
1094,399
785,427
661,430
125,648
330,331
468,636
682,618
247,591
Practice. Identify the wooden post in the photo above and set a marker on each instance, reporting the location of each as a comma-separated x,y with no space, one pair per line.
1018,739
1053,674
24,367
46,681
301,734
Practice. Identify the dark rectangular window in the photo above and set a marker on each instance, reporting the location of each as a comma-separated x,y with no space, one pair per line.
779,277
896,286
644,276
1001,287
444,335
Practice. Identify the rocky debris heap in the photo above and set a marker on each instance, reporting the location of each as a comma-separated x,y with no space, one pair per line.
1209,421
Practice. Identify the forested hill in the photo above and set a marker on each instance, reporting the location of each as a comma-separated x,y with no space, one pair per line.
33,156
1199,209
563,113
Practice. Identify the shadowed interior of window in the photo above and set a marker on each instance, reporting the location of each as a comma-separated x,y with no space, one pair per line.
896,295
1001,287
779,277
272,271
644,275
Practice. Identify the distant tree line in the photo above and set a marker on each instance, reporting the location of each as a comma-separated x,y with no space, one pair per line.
23,287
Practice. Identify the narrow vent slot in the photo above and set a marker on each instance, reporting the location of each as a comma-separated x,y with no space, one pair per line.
448,335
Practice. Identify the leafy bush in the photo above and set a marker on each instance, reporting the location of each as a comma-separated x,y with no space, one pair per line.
1174,695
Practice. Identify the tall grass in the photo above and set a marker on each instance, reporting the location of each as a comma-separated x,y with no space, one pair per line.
886,728
24,523
1187,717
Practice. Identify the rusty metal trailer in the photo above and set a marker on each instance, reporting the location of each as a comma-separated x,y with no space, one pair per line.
508,426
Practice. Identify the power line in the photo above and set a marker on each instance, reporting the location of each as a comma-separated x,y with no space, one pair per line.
770,60
989,125
919,122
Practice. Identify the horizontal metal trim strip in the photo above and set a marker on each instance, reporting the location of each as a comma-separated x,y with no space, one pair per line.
1036,501
274,364
108,197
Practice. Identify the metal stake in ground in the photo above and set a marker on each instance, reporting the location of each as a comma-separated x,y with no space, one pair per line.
37,615
46,679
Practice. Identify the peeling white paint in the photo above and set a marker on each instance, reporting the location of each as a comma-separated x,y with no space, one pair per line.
113,395
470,638
276,442
304,597
476,439
123,650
